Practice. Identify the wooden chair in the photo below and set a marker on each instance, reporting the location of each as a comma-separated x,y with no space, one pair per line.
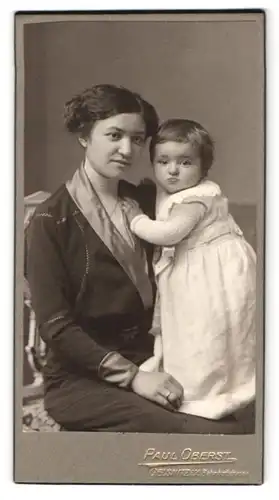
35,418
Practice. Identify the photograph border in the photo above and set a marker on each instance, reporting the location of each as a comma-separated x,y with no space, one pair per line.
52,457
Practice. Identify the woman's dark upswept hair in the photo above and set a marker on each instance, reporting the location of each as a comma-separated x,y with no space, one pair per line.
103,101
186,131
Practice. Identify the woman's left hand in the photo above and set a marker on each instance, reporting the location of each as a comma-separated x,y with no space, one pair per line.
131,209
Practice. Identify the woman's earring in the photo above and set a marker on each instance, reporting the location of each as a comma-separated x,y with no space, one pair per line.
82,141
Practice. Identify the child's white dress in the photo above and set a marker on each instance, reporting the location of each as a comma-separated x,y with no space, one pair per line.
207,289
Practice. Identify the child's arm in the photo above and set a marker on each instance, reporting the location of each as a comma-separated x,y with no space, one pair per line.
182,220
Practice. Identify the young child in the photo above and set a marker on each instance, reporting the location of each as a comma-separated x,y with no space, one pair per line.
204,323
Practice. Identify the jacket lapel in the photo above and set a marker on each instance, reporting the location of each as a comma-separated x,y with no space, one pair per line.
131,258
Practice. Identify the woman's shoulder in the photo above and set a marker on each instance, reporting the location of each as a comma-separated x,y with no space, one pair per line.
126,189
146,187
57,209
56,205
144,193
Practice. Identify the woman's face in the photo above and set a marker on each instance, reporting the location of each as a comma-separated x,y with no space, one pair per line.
114,144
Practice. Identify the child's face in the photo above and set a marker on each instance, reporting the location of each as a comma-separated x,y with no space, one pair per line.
177,166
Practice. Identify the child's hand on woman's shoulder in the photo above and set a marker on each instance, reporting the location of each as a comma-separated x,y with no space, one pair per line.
131,209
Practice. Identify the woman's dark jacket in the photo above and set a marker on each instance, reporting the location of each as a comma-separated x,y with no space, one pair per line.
87,309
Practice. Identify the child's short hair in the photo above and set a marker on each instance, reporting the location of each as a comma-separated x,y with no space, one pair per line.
179,130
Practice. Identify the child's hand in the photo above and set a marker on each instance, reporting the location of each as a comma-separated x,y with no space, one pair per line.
131,209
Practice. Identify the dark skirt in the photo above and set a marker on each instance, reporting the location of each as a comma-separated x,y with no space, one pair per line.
81,404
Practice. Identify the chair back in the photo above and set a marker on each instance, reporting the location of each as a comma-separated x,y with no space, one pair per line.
35,348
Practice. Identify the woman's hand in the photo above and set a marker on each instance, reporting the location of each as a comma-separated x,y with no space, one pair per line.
131,209
159,387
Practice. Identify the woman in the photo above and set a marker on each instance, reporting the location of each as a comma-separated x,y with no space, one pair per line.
89,284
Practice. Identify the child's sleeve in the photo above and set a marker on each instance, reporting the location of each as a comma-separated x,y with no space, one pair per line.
182,220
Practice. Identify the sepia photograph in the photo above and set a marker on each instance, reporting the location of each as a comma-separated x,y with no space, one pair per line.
140,205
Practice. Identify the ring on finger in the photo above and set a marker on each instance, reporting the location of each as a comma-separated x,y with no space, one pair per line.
167,394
